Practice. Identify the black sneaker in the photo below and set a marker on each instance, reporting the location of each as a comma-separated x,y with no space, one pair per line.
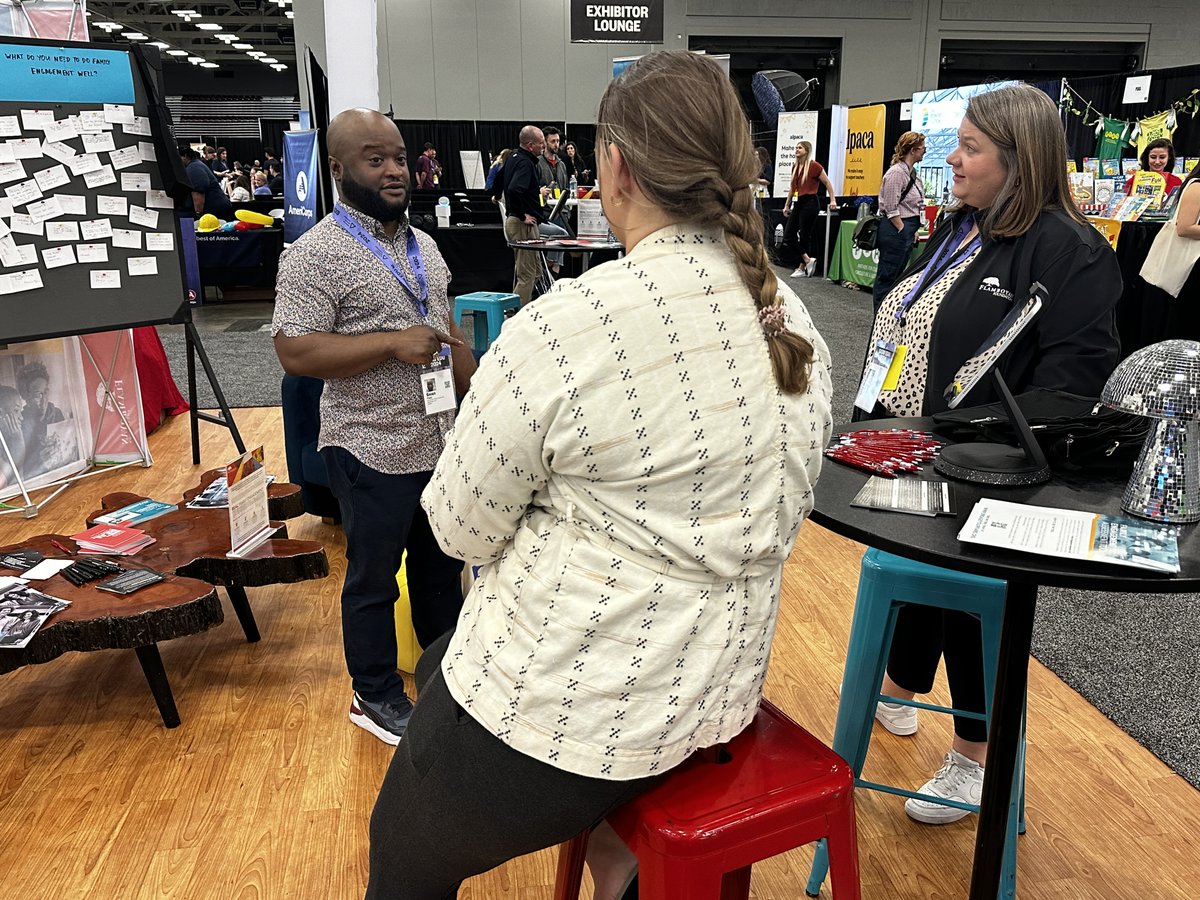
386,719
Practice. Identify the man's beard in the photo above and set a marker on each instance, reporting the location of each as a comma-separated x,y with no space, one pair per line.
372,202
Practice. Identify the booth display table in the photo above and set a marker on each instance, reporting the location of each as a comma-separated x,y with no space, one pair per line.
934,541
848,263
97,620
239,258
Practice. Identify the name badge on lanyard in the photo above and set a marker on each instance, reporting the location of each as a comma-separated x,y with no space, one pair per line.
437,384
420,291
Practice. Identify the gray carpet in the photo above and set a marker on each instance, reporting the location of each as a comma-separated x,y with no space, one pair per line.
244,362
1135,657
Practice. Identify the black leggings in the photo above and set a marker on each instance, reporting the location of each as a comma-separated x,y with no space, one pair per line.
456,801
923,635
798,232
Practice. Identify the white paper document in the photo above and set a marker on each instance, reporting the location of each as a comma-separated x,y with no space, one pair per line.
100,176
23,192
72,204
147,152
62,130
55,176
159,200
91,121
124,237
135,181
147,218
9,126
26,148
118,114
160,240
99,143
7,154
143,265
25,224
139,125
54,257
96,229
29,280
56,151
62,231
108,205
36,119
44,210
92,253
13,171
104,279
124,158
86,164
1072,534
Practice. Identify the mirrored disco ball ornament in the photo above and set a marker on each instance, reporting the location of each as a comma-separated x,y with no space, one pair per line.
1162,382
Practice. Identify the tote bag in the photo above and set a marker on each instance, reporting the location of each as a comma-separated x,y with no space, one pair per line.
1170,259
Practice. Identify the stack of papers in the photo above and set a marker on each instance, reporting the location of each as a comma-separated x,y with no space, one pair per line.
142,511
22,612
119,540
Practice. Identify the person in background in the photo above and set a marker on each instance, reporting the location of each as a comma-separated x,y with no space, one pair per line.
370,337
1183,312
576,164
553,177
1014,224
524,211
220,163
766,171
207,196
428,170
275,177
241,189
261,188
1159,156
625,608
901,201
497,167
268,155
801,208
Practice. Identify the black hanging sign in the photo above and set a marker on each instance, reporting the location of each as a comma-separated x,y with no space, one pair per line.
617,23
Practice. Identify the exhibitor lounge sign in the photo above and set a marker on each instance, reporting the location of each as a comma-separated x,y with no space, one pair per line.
617,23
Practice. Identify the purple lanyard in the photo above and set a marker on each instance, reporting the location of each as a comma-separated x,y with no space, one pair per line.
354,228
943,261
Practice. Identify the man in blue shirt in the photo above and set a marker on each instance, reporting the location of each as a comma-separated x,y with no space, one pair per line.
207,196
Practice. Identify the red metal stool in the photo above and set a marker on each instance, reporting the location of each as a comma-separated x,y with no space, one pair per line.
697,833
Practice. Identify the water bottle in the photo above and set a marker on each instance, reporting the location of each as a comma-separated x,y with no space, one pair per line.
573,186
778,235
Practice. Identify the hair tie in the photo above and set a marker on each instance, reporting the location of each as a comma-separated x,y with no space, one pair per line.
773,320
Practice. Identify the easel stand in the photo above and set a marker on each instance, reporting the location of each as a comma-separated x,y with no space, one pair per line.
29,508
196,348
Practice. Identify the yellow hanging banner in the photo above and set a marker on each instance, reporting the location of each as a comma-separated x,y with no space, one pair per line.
864,150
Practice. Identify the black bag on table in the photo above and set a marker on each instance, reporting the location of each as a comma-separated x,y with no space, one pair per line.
1076,433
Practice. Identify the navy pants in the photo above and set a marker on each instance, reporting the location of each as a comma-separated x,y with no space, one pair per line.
894,248
382,517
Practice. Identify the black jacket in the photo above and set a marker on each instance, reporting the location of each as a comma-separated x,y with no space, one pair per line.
522,194
1072,345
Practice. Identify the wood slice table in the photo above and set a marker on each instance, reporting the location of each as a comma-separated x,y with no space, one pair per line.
194,542
97,620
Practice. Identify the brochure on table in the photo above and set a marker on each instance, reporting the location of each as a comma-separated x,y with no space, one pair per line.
1072,534
249,523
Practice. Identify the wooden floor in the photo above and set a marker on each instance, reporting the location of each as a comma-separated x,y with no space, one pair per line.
265,789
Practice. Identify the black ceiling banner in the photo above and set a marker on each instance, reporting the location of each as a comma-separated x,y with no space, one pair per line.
617,23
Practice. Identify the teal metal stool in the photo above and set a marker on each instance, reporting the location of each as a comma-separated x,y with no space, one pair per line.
886,584
493,305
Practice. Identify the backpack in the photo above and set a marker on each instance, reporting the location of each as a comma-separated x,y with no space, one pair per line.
866,232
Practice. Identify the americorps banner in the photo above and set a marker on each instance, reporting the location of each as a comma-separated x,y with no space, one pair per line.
864,150
617,23
299,183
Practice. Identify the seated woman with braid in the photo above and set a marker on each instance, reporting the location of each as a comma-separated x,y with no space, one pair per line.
630,469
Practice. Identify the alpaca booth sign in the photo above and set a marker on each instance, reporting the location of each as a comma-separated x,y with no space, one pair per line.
617,23
864,150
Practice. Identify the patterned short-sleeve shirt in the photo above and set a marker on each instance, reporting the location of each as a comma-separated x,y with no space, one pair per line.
328,282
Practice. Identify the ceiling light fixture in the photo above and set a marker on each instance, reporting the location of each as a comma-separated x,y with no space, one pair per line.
290,14
278,67
195,60
161,45
269,60
208,26
209,65
184,13
177,53
255,53
243,46
133,35
109,26
227,38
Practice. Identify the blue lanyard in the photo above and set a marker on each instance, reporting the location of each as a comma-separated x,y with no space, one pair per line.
943,261
354,228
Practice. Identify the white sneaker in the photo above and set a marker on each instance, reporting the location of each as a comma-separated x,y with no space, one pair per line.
959,779
811,267
897,718
800,273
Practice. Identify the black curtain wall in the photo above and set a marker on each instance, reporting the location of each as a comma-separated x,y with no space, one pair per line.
1104,93
272,137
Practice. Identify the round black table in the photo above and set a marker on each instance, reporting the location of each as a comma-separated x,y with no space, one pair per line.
934,540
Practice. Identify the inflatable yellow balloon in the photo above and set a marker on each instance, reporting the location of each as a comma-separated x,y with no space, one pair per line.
254,218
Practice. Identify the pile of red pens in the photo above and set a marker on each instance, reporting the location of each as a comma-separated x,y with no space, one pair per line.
890,452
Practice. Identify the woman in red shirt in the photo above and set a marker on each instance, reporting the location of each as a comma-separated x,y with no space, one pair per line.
1159,156
801,208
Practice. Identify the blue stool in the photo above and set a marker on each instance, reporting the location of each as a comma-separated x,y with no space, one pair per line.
494,305
887,583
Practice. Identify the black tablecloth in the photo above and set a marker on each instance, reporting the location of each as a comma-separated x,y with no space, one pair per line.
478,258
239,258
